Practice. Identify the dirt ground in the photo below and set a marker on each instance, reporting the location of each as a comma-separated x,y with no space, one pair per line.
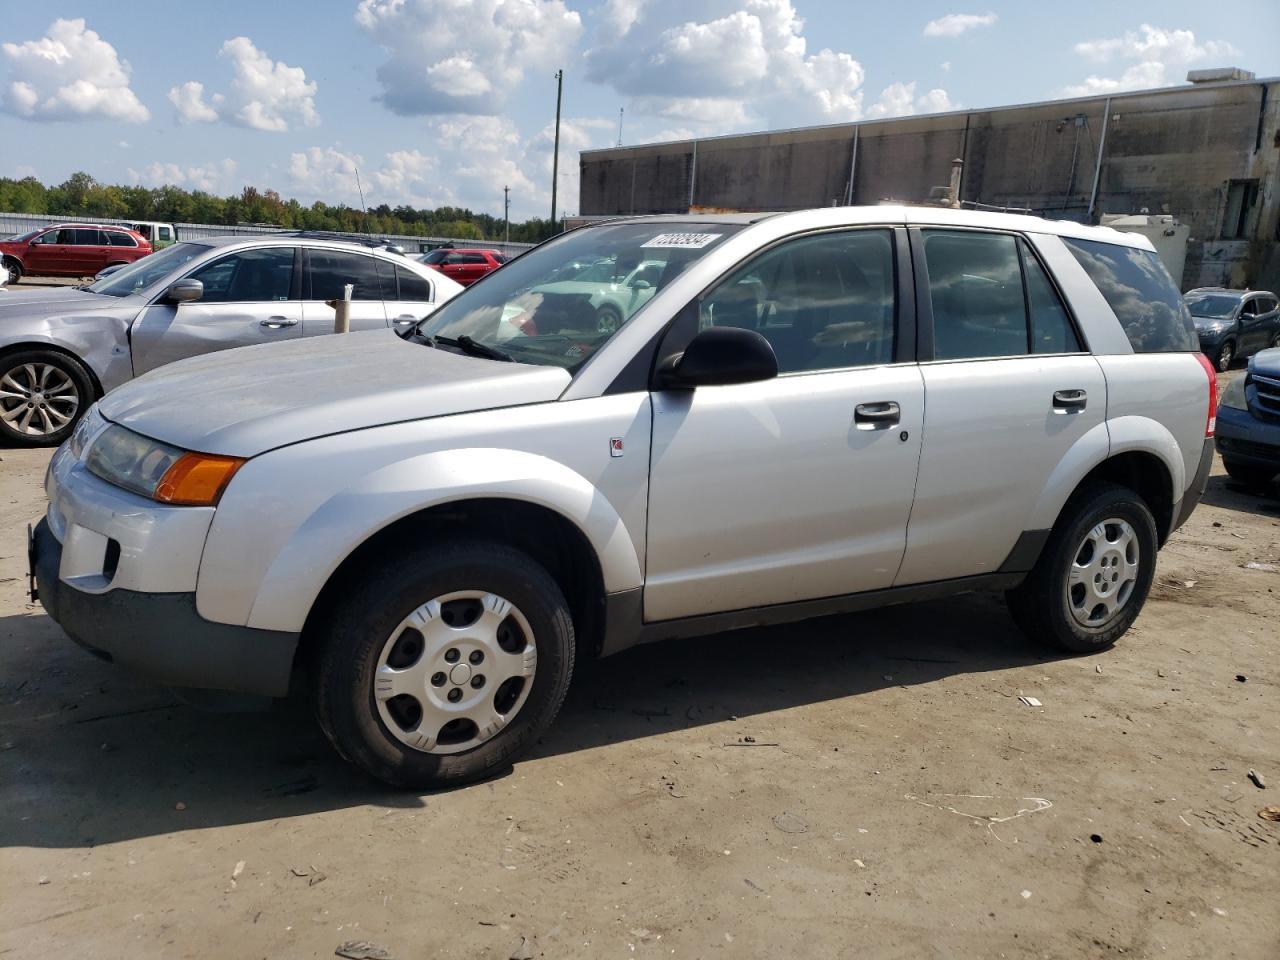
867,785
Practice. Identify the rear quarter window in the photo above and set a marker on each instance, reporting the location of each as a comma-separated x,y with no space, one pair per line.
1141,293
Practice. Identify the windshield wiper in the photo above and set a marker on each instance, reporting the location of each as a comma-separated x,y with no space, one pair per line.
474,348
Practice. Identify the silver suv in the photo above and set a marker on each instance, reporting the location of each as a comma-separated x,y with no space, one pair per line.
61,348
814,412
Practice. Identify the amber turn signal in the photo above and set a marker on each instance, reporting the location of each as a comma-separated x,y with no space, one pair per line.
197,479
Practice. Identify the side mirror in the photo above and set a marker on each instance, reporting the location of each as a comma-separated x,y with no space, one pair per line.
184,291
719,356
641,285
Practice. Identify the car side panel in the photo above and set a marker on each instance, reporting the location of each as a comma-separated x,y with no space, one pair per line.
342,489
99,340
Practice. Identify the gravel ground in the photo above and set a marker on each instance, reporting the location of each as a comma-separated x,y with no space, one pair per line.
866,785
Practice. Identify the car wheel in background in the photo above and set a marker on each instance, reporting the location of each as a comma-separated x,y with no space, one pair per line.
608,319
1226,353
1275,341
444,664
13,270
42,396
1250,475
1094,573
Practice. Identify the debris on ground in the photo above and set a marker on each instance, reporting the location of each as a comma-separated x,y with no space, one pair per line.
362,950
312,873
1264,567
790,823
1270,813
1095,837
43,881
1241,678
1258,782
1026,894
525,951
1031,701
235,873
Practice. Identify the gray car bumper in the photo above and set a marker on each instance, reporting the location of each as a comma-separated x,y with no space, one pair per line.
160,635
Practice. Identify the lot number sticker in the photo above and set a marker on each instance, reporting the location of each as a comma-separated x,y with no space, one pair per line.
684,241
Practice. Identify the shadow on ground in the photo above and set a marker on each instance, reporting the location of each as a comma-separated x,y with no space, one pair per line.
1224,492
90,756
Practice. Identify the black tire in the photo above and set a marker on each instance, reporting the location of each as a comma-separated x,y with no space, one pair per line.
361,623
14,270
1039,605
1249,474
13,365
1226,354
608,319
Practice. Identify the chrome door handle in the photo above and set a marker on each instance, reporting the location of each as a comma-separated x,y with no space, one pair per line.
275,323
1069,401
876,416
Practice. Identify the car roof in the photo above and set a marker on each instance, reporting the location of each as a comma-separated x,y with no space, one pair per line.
275,239
85,226
909,215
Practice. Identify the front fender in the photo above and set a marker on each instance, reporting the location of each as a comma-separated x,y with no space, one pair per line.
103,346
339,525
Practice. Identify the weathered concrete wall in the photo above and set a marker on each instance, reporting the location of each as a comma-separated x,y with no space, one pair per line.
1170,151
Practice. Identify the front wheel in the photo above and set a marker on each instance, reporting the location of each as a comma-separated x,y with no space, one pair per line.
444,664
13,270
42,396
1094,574
1226,354
608,320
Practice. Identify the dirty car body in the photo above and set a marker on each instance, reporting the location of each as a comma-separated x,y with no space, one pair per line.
427,531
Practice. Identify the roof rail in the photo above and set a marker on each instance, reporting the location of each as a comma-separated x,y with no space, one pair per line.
363,240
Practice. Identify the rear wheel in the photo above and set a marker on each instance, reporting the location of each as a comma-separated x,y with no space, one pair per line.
42,396
443,665
1249,474
1093,577
1226,354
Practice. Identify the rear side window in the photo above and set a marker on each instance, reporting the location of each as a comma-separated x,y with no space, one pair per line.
87,238
1142,294
412,286
331,270
1051,330
118,238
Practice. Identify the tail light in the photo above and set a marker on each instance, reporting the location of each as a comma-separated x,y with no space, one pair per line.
1212,419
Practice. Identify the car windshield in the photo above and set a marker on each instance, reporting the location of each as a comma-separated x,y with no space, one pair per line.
148,271
527,311
1210,306
22,237
435,256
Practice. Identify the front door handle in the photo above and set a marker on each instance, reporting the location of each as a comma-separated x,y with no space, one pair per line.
876,416
1069,401
275,323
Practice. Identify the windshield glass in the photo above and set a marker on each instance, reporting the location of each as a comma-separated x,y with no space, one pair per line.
1208,306
148,271
558,304
20,237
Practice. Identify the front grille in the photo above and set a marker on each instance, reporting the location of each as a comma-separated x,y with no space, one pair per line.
1249,448
1266,399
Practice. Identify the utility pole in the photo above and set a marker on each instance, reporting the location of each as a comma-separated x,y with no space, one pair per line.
506,214
620,109
555,156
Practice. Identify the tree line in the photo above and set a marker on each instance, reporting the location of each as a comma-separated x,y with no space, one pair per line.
83,196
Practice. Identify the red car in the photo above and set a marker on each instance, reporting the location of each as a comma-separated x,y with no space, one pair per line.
465,266
71,250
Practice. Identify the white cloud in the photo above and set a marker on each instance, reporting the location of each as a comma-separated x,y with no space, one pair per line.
946,66
1160,56
954,24
213,177
70,73
750,65
466,56
264,95
900,100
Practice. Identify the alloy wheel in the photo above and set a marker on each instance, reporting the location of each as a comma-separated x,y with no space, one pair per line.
1225,356
1104,570
37,399
455,672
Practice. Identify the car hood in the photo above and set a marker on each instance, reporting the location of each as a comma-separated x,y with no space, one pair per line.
15,302
1266,363
244,402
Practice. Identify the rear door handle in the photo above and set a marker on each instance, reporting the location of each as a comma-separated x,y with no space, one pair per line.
1069,401
876,416
275,323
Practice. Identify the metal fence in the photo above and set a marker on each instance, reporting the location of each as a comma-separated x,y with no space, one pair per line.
14,223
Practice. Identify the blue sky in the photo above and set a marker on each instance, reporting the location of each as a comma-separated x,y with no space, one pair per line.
445,101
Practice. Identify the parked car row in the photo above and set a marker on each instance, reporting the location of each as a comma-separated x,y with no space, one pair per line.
1234,324
798,414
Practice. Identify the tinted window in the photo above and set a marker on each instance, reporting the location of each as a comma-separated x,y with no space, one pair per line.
332,269
975,284
53,236
824,302
412,286
166,233
119,239
251,276
1142,294
1251,309
1051,330
435,256
88,238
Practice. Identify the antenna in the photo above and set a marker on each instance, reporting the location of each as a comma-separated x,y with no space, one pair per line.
377,269
620,109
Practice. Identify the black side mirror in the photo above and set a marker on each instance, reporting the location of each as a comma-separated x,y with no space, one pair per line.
719,356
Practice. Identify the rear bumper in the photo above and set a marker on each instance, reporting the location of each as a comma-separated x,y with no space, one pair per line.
1244,438
160,635
1191,498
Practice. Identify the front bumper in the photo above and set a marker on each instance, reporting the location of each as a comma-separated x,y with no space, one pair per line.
1244,438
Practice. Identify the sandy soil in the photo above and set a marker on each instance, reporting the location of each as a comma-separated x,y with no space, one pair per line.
897,798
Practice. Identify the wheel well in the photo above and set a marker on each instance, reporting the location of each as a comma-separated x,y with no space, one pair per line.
549,538
51,348
8,257
1147,476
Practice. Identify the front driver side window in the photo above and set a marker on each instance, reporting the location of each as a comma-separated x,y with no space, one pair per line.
824,302
250,276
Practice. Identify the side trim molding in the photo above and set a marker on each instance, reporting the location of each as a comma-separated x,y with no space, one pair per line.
1025,552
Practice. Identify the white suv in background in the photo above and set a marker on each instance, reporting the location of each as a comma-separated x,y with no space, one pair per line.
814,412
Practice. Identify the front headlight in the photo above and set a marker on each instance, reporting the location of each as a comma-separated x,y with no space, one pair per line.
1233,396
89,424
159,471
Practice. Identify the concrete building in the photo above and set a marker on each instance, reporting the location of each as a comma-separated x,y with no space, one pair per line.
1207,153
